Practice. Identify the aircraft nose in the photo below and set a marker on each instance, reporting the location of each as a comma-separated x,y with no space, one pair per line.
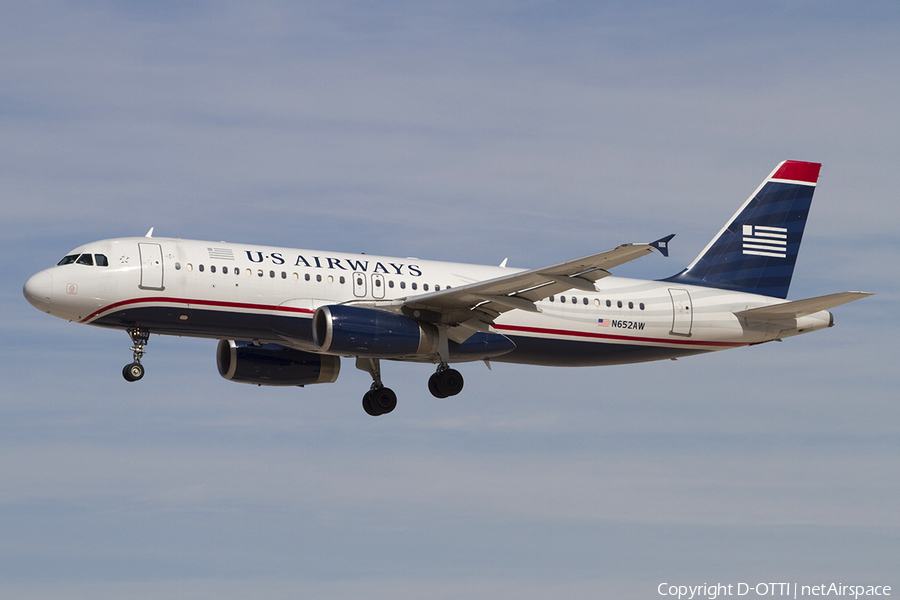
37,290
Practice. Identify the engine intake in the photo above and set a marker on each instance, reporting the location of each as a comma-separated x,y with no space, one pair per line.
271,364
358,331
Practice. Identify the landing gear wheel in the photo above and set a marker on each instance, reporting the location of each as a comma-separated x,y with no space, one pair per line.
133,372
384,400
433,387
379,401
445,383
367,405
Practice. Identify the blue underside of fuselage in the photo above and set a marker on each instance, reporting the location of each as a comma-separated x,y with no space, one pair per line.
215,324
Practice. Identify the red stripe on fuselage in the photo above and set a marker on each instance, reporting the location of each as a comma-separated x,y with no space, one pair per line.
194,302
606,336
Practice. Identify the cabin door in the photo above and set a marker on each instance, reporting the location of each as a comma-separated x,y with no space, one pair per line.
151,266
682,312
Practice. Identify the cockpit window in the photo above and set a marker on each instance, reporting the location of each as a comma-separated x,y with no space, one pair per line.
85,259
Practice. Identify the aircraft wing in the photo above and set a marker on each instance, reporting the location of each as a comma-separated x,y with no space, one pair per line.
481,302
800,308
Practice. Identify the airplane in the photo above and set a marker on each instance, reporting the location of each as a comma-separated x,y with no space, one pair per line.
287,316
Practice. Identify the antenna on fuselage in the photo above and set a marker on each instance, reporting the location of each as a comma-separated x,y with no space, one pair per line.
149,233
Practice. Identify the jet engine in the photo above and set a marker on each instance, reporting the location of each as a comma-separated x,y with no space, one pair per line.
271,364
358,331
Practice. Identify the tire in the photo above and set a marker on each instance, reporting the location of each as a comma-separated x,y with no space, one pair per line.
383,400
367,405
434,388
133,372
449,382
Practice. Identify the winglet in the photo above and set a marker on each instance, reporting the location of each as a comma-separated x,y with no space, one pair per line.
662,244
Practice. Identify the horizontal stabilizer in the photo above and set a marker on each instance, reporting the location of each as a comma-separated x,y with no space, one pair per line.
800,308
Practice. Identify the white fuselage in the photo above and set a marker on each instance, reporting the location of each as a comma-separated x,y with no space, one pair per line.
257,293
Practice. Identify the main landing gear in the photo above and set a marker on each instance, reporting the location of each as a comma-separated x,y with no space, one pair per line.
445,382
140,338
380,400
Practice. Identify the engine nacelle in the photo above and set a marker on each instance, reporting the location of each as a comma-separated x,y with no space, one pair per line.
271,364
357,331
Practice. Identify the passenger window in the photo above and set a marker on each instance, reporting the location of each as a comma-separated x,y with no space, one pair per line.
272,274
437,288
319,278
283,275
68,260
342,280
212,268
619,304
402,285
585,300
415,286
259,272
178,266
562,299
551,298
425,287
85,259
306,277
101,260
608,303
642,305
631,305
391,283
200,268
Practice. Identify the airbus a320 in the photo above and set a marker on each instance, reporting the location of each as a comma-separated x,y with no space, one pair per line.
287,316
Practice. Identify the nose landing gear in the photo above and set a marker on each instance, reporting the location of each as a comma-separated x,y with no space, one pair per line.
140,338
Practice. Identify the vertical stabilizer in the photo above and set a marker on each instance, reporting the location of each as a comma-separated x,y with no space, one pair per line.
757,249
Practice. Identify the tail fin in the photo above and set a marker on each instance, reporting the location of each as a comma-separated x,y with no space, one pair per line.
756,250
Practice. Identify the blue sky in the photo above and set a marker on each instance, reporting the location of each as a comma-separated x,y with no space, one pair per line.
467,132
